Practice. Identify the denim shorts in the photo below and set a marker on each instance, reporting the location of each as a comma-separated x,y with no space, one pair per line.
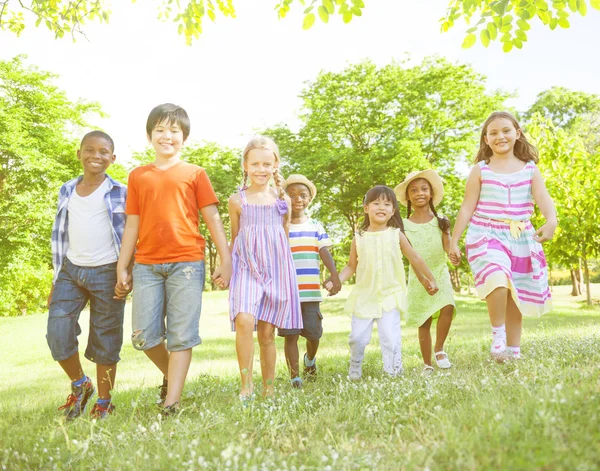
74,287
311,320
167,298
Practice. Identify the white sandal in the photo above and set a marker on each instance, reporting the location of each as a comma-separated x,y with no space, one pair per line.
428,370
444,362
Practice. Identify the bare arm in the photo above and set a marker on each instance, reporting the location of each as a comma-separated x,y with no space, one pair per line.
130,238
422,271
234,218
446,242
350,268
211,217
472,191
330,265
546,205
286,217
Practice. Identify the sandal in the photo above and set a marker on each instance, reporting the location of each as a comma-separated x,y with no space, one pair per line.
428,370
444,363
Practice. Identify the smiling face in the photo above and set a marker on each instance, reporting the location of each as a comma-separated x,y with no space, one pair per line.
260,164
380,211
300,196
501,135
96,154
167,139
419,193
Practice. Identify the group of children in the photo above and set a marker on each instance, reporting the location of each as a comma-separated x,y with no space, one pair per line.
109,239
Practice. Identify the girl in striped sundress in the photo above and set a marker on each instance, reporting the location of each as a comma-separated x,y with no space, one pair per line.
503,248
263,293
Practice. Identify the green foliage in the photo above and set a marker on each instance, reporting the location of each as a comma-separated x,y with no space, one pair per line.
36,157
493,15
368,125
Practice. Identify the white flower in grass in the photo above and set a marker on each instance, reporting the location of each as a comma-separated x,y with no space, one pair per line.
498,417
558,387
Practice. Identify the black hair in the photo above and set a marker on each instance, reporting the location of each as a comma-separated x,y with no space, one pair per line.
385,193
101,135
170,113
443,222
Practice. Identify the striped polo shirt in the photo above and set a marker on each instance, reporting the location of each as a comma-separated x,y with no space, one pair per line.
306,240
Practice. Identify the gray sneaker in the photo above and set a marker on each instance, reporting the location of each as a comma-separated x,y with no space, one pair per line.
355,372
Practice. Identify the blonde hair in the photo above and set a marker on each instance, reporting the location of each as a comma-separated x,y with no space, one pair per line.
263,142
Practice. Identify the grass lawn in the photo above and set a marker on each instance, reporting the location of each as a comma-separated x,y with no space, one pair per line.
540,413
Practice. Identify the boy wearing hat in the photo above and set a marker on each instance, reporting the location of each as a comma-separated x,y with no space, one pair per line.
309,243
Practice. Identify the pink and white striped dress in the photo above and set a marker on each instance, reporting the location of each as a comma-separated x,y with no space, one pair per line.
499,243
263,282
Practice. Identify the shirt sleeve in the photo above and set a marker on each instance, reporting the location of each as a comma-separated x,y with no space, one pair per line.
323,238
132,205
205,194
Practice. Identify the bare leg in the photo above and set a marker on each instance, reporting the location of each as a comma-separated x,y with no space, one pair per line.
496,304
292,355
312,345
425,341
244,346
266,342
514,323
159,355
105,375
72,366
443,327
179,364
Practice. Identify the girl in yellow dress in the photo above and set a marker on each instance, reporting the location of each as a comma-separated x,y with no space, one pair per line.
429,234
380,290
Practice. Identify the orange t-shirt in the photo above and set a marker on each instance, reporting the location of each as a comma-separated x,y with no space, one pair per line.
167,202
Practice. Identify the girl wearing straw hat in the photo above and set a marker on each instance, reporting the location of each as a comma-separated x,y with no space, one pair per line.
429,234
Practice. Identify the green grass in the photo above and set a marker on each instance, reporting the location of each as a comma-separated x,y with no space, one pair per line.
540,413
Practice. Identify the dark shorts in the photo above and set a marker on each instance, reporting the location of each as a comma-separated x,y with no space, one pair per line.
74,287
312,321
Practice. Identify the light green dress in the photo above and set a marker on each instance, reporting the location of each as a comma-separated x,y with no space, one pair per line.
427,241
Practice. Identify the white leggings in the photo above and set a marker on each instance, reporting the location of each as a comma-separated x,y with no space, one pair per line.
390,340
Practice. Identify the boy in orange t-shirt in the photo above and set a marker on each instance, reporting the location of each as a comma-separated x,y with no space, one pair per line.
164,198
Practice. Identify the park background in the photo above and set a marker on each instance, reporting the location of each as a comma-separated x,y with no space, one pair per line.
351,106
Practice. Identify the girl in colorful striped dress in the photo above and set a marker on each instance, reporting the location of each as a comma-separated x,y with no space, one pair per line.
263,292
503,248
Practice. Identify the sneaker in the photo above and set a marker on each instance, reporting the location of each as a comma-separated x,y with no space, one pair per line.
78,399
355,372
170,411
296,383
498,350
310,371
101,411
162,389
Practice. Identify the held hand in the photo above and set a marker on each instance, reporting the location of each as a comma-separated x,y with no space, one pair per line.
430,286
222,275
544,233
335,283
454,254
50,297
124,284
328,285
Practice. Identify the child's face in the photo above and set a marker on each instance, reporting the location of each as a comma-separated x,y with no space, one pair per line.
260,164
167,139
300,196
380,211
419,193
96,154
501,135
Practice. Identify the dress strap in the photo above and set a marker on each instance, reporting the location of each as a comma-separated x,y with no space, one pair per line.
243,196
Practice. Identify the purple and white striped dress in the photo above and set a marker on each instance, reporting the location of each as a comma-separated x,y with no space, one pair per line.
263,282
499,258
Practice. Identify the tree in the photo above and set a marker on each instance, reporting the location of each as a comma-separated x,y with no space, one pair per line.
368,125
37,155
495,16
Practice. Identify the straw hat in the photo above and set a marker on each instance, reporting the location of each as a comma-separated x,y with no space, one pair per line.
302,180
431,176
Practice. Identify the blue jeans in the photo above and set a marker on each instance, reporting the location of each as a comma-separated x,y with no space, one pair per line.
74,287
170,292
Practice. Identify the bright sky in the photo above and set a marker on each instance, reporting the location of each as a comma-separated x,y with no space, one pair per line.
245,73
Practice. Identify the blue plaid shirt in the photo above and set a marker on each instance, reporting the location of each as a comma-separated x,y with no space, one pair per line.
115,204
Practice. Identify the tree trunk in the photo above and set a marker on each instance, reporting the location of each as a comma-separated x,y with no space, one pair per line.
587,281
579,276
575,291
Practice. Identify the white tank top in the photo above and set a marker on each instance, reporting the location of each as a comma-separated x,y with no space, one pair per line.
91,241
